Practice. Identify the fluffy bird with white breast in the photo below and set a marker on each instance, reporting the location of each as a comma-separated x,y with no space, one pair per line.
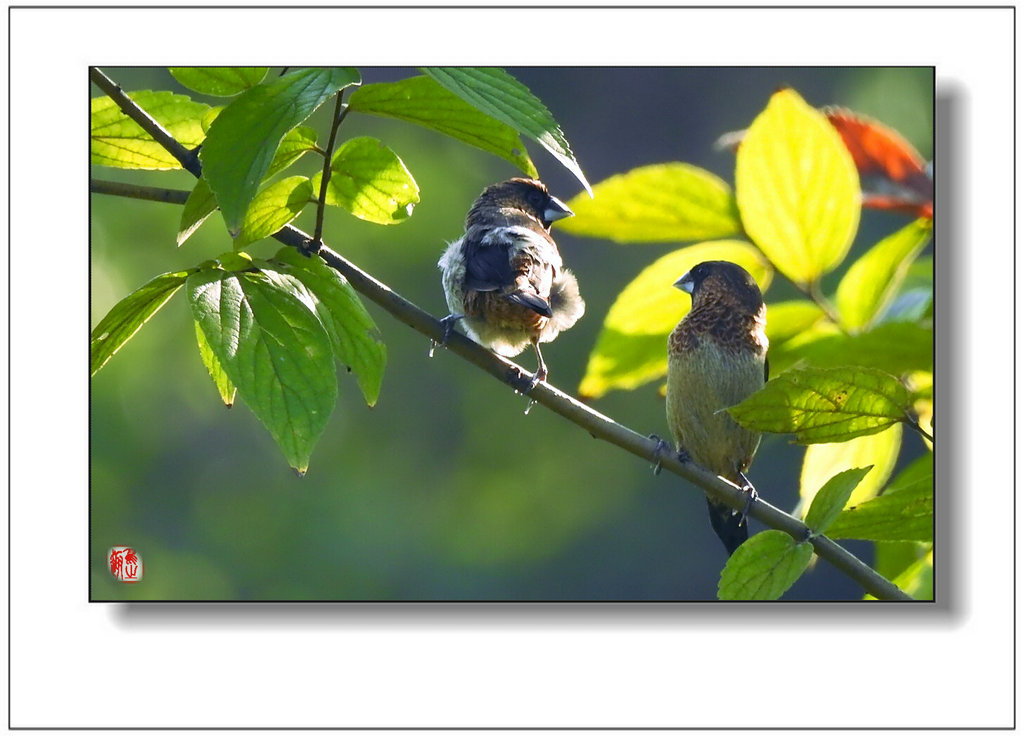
716,359
504,277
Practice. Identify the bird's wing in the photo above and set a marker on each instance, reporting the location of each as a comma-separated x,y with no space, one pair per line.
497,257
487,261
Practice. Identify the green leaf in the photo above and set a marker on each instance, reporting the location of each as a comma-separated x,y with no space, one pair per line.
894,347
879,451
872,282
921,274
631,348
200,205
918,580
354,336
786,320
893,558
225,388
920,471
832,497
128,316
825,404
270,343
296,143
117,140
245,136
423,101
500,95
797,188
209,116
764,567
900,515
219,81
273,208
370,181
657,203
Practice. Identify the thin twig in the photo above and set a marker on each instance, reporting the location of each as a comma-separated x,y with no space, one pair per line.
325,178
814,293
138,191
595,423
918,428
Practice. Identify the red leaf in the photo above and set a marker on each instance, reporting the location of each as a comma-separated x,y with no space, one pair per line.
894,176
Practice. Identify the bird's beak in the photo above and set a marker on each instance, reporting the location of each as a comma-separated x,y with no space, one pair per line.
685,283
556,210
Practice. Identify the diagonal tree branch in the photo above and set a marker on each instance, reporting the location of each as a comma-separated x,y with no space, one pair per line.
188,159
598,425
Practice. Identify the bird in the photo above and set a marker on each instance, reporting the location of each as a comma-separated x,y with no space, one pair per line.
717,357
504,279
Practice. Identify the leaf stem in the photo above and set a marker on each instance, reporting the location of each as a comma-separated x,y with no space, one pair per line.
909,420
596,424
814,293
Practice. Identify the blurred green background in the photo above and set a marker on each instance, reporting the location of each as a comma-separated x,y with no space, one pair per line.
445,490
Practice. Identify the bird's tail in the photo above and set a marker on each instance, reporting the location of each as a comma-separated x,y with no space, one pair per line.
567,305
531,301
730,526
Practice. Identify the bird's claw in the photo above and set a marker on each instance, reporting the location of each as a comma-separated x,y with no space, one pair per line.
751,497
448,325
310,247
661,445
521,381
747,488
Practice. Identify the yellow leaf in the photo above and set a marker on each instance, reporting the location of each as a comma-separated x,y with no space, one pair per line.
797,188
667,202
821,462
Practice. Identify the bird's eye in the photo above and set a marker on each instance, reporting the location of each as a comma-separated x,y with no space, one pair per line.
536,198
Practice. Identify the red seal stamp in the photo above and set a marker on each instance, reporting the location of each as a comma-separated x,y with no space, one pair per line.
125,564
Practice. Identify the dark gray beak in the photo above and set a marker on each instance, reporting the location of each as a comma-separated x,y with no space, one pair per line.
685,283
556,210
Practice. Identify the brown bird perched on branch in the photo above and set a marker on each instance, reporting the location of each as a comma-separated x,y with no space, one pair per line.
716,358
504,277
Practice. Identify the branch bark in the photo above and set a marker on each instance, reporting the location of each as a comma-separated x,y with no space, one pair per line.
188,159
596,424
138,191
325,178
